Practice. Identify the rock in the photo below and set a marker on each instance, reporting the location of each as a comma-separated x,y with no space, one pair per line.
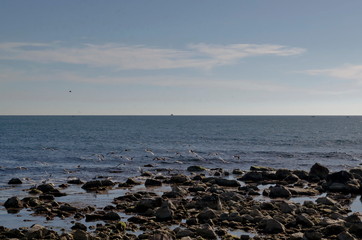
15,181
312,235
164,212
296,236
237,171
356,229
211,201
286,207
318,172
80,226
326,201
333,230
138,219
273,226
182,233
196,169
353,218
206,214
75,181
93,217
179,178
206,231
13,202
345,236
79,234
279,192
144,204
356,172
350,187
252,177
304,220
132,182
36,231
46,188
340,177
227,182
301,174
67,208
281,174
152,182
111,216
98,184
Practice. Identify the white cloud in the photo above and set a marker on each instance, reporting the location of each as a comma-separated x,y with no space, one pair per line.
352,72
125,57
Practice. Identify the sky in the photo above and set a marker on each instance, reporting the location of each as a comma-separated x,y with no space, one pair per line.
162,57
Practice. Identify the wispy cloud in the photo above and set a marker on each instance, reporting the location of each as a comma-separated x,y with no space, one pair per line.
125,57
352,72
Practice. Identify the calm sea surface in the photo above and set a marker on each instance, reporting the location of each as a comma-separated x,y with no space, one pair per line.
58,147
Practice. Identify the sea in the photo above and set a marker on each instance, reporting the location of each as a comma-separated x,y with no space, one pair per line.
42,147
52,149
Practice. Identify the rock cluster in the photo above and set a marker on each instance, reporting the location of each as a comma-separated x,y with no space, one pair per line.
209,207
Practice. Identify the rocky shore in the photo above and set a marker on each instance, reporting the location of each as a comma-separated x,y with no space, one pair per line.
203,204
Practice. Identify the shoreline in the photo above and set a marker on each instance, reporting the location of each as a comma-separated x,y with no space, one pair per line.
262,203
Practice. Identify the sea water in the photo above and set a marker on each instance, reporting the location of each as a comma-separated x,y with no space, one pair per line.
42,147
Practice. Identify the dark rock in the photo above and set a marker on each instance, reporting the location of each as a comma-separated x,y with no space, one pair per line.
196,169
281,174
36,231
144,204
312,235
75,181
252,177
345,236
334,229
13,202
353,218
237,172
67,208
206,214
46,188
47,197
80,226
79,234
15,181
152,182
340,177
111,216
179,178
356,229
93,217
273,226
301,174
326,201
304,220
279,192
131,181
318,172
137,219
227,182
164,212
211,201
206,231
97,184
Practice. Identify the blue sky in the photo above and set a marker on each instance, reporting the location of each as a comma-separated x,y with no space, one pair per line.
181,57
